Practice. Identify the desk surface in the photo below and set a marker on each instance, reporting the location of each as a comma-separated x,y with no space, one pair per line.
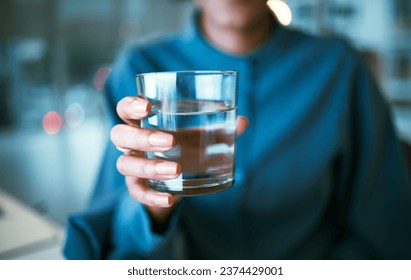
24,234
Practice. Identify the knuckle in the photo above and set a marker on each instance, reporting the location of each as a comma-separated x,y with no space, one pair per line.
139,194
129,99
139,191
123,103
126,101
147,197
141,138
134,166
146,170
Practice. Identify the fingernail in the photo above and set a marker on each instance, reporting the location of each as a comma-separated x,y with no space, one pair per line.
161,139
167,168
163,200
123,150
139,106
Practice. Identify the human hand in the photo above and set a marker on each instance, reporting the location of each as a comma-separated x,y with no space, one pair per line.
134,141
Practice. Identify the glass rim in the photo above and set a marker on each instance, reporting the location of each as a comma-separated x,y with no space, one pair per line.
189,72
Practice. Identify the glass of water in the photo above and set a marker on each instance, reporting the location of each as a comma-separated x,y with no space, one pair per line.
200,109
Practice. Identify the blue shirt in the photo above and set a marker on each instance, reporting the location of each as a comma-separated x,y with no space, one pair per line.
319,171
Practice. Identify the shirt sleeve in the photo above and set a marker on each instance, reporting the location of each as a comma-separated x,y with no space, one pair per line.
374,193
118,227
115,226
133,237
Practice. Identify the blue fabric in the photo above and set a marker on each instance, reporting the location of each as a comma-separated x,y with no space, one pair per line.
319,171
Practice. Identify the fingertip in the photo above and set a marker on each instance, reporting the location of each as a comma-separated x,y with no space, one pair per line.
243,120
163,200
171,200
242,123
179,169
138,108
133,108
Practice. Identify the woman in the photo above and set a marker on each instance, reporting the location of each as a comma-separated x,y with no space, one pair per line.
319,171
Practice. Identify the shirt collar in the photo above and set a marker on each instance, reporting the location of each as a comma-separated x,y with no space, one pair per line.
193,35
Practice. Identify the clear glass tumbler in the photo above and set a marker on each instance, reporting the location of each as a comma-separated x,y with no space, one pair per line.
200,109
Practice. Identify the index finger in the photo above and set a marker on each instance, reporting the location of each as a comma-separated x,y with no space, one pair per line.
132,109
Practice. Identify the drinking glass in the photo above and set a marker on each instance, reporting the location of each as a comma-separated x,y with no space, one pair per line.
200,109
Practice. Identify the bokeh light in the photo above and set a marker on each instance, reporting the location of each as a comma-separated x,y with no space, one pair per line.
74,115
52,123
281,10
100,77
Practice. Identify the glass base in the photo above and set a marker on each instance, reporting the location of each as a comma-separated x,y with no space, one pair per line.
191,187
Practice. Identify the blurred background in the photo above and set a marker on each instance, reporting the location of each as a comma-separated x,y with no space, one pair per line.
55,56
